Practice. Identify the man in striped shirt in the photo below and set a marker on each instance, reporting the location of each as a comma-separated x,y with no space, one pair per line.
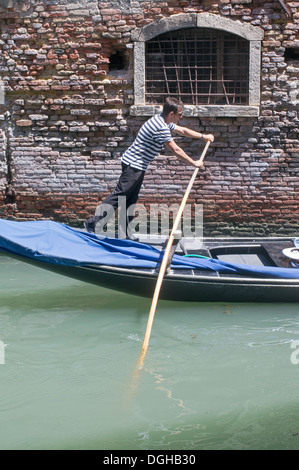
152,137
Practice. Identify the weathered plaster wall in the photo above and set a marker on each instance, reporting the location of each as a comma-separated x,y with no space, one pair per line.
65,121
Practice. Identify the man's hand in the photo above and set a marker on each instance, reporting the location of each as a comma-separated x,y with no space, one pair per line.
209,137
198,163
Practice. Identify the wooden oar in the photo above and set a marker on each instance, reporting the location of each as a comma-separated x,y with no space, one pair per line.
163,266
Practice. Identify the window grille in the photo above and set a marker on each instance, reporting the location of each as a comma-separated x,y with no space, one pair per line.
199,66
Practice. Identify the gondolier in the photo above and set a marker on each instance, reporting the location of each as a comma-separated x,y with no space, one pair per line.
152,137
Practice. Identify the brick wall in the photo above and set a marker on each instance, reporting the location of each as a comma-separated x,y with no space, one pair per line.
68,74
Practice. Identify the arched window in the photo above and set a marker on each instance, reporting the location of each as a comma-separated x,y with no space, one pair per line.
211,63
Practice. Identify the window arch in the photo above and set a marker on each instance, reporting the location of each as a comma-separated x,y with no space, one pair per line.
211,63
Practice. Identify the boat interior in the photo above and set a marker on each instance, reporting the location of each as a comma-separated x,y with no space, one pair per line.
254,252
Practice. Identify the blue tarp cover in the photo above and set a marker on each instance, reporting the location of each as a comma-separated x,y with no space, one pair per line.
52,242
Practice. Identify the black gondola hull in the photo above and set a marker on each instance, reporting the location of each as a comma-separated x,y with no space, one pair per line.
180,287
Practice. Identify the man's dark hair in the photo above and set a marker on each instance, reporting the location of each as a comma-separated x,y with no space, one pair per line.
171,104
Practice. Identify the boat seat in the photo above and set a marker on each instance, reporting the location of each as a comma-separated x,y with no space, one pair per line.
193,246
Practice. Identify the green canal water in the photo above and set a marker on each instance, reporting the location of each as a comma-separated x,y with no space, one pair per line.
216,376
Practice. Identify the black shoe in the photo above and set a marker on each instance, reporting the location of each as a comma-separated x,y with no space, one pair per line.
88,227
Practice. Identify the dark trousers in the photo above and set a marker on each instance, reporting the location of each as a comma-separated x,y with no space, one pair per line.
128,186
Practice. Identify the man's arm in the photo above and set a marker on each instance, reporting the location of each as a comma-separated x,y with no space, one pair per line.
181,155
186,132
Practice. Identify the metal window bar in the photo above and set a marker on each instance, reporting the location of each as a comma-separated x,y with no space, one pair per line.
198,66
177,67
189,73
164,68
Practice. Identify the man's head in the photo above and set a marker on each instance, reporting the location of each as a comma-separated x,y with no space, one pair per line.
172,110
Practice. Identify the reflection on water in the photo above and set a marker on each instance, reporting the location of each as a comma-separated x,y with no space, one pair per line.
216,376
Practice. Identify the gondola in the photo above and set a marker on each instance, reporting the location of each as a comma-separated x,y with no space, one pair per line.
200,270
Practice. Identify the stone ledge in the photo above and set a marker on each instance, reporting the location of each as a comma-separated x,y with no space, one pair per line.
200,111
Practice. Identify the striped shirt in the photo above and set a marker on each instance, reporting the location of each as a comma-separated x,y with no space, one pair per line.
148,143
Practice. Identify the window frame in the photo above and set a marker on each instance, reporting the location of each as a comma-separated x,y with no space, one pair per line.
253,34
